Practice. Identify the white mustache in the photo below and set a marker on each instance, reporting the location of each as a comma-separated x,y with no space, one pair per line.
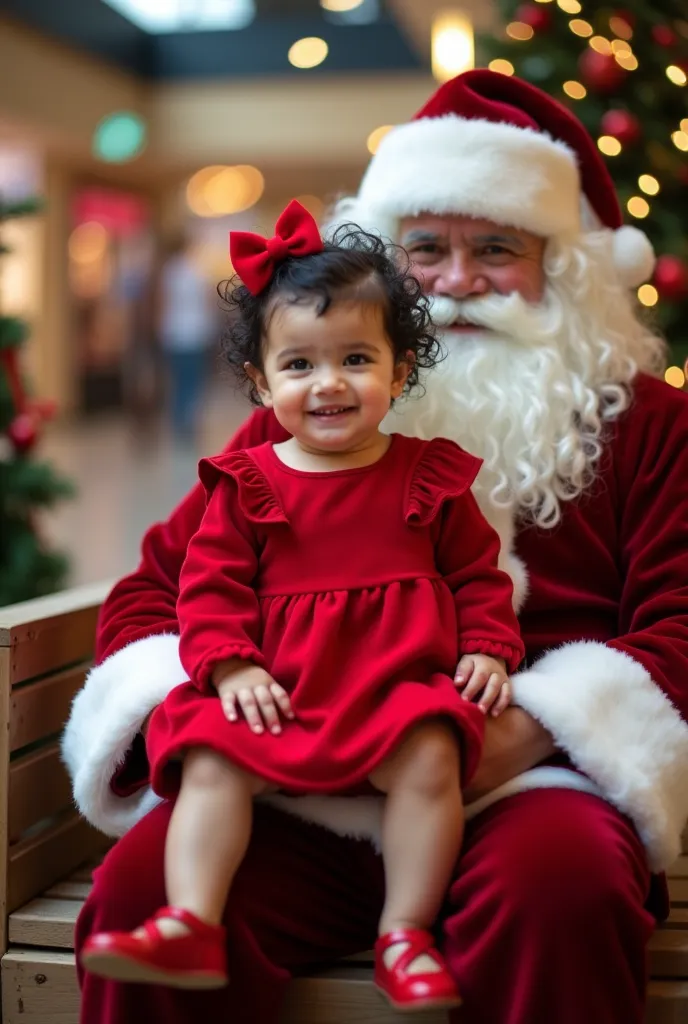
510,314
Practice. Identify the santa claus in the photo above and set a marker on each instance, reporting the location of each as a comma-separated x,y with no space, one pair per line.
511,222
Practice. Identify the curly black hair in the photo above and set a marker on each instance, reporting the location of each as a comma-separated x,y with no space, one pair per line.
350,262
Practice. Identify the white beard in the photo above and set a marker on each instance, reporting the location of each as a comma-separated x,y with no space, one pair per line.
507,395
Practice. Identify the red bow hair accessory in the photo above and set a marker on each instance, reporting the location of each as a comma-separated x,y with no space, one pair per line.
255,258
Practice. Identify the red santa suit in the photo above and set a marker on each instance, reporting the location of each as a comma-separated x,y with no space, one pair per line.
605,624
357,589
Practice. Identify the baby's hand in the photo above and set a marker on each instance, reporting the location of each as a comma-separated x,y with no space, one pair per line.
256,693
478,672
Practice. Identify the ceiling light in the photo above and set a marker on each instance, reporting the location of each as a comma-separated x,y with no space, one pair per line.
452,45
158,16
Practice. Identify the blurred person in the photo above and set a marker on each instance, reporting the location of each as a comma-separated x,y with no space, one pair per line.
187,326
515,232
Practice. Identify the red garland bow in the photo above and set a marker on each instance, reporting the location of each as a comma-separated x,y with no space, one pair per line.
254,257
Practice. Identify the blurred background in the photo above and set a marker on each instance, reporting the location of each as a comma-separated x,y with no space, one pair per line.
134,134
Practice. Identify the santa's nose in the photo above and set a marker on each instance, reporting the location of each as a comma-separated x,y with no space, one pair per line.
460,278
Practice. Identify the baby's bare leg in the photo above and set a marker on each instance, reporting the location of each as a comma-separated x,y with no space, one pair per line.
208,835
422,828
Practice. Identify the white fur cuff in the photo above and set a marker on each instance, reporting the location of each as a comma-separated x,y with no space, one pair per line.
106,716
604,710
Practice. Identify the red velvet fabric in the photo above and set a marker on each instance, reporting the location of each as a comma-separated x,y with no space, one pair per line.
254,258
544,923
358,590
490,96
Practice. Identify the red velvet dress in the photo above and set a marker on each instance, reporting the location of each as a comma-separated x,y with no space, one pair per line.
357,590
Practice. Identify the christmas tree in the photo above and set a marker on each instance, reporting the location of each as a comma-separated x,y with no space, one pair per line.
27,569
624,73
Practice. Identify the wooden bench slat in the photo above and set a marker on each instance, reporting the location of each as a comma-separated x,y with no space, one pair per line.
69,890
39,862
668,953
40,709
51,632
678,890
40,986
39,787
679,869
45,922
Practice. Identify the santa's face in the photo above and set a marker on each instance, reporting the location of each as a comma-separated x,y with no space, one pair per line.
517,384
462,258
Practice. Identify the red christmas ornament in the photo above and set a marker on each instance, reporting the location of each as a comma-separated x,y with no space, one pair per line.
622,125
536,15
22,433
671,278
600,72
664,36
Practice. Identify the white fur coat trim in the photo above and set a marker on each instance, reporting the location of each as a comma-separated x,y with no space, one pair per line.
635,751
603,708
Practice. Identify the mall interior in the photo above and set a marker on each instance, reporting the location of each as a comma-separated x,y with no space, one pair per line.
151,128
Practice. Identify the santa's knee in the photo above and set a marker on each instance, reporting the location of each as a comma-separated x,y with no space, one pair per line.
560,861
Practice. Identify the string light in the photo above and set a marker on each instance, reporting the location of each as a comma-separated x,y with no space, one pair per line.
575,90
505,67
520,31
680,140
676,75
675,376
628,61
638,207
543,1
340,6
648,184
600,44
619,46
608,145
376,137
648,295
684,124
570,6
580,27
620,27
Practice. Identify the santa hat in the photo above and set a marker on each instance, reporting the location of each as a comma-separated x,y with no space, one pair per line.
492,146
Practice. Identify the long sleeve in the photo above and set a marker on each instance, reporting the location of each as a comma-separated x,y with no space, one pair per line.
467,553
219,615
619,706
137,664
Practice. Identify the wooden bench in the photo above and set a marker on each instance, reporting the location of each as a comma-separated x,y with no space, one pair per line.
48,850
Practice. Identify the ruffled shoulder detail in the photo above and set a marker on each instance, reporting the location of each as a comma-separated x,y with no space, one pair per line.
257,499
442,471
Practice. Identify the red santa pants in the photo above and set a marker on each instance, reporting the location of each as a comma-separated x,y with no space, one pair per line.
544,923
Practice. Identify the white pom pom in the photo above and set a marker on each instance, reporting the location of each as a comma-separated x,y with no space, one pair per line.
634,256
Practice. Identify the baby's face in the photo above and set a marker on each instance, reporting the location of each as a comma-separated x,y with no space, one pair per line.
330,379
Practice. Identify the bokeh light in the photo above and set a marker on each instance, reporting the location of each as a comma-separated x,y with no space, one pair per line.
576,90
219,191
501,66
675,376
308,52
608,145
638,207
119,137
376,137
648,295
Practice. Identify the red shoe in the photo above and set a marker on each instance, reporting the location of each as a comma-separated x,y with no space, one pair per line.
197,960
408,992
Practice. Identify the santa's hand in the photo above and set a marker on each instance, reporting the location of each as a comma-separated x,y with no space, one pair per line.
481,674
248,689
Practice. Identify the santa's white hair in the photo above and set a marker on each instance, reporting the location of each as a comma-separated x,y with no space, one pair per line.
535,393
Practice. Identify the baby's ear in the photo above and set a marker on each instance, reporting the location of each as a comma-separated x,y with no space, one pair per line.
259,380
402,369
